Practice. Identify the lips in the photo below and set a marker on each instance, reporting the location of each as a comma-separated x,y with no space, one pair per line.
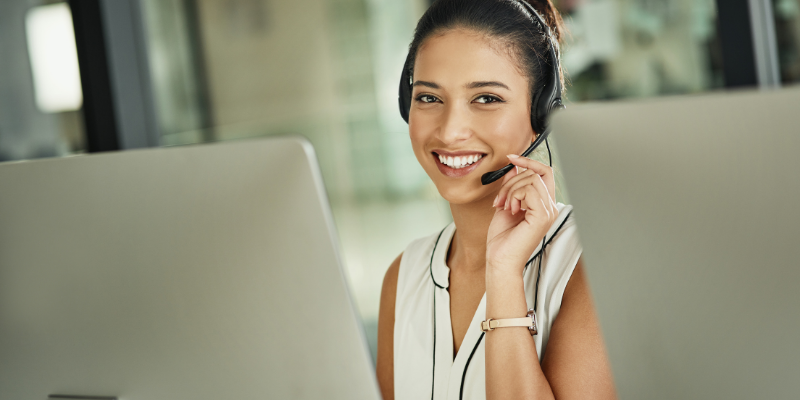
457,164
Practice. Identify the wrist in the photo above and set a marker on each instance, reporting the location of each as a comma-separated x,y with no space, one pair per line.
503,272
503,281
505,298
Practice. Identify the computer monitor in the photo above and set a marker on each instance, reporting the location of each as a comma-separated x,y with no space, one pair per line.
200,272
689,212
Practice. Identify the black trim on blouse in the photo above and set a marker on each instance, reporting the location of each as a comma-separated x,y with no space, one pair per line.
548,242
475,348
430,268
430,265
466,366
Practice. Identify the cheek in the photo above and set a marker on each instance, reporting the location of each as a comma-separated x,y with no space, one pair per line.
419,137
506,132
414,133
422,128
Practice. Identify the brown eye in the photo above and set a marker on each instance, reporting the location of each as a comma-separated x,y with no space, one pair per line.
426,98
486,99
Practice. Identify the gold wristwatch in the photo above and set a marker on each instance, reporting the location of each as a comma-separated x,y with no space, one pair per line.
528,321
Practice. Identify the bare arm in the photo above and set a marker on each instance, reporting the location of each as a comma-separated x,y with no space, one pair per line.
575,365
512,364
385,364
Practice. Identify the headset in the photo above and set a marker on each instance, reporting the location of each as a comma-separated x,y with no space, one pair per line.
544,101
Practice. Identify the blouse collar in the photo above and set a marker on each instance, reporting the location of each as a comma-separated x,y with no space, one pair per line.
440,272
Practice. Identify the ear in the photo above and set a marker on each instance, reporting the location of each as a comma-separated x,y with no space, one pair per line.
533,137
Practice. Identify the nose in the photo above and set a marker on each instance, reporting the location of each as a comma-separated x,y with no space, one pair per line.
455,124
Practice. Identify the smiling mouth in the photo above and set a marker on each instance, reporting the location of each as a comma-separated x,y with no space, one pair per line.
458,162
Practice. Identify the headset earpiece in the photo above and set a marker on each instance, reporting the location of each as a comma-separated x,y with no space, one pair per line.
405,90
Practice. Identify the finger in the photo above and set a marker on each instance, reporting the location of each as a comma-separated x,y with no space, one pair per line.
516,186
524,180
545,196
509,176
538,213
517,193
531,194
513,202
544,170
525,162
501,196
538,216
526,197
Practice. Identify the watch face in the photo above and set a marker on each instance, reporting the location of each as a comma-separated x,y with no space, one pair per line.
533,328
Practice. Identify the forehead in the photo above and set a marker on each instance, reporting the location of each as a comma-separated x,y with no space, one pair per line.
459,56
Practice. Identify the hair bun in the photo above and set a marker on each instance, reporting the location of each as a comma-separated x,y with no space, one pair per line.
551,16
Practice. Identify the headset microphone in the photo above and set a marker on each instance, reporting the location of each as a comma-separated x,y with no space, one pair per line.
490,177
542,104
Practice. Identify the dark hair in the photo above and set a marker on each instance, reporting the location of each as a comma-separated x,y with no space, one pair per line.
505,20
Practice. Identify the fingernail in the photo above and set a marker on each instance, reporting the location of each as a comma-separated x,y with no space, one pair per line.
512,156
494,203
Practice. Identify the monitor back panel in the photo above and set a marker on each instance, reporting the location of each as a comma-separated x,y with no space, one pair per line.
204,272
689,212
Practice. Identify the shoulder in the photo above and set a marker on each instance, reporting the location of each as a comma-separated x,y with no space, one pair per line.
565,221
385,357
561,253
418,253
563,235
425,244
389,287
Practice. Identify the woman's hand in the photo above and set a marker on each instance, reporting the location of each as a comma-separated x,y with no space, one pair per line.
525,210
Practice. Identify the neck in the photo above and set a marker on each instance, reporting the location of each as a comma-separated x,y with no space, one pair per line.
468,248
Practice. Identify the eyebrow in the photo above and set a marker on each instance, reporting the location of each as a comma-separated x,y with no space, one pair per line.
472,85
426,84
480,84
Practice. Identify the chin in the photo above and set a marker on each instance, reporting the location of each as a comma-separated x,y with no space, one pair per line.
463,193
464,190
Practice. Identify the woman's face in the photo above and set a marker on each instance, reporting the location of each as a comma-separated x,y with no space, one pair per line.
469,102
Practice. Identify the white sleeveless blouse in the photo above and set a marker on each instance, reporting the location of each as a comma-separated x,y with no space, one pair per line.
423,341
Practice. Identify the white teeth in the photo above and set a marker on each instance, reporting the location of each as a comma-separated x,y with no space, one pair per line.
460,161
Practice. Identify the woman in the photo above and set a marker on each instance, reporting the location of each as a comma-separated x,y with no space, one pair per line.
476,66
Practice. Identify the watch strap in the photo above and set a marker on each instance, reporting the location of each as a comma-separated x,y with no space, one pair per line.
529,322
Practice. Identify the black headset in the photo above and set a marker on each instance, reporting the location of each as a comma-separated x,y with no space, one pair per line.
544,101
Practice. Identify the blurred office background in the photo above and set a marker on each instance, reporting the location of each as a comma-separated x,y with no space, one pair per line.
108,75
